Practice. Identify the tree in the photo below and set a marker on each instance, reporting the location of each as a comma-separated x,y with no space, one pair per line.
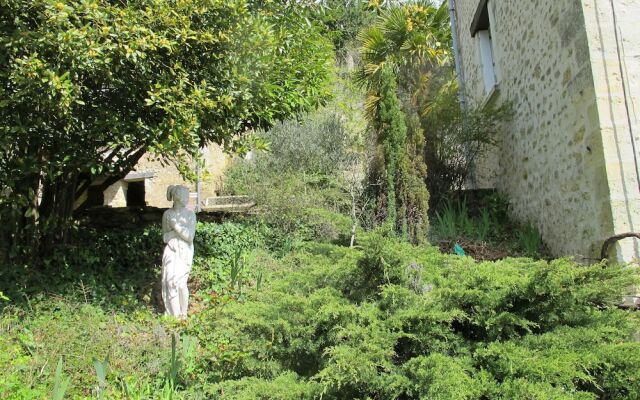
89,86
402,198
397,54
414,40
342,20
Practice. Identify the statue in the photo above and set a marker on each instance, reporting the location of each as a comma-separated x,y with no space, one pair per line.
178,230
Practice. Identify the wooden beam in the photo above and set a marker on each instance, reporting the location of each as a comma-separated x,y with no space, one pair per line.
481,18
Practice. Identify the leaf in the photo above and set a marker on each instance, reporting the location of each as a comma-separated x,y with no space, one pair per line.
102,369
60,383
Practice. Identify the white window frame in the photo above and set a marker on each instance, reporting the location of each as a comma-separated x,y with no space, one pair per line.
481,30
487,60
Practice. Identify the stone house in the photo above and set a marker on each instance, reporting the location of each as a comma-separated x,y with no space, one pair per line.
568,159
147,184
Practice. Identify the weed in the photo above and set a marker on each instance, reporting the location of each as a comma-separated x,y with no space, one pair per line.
530,240
102,369
174,363
237,265
484,225
60,383
259,278
446,222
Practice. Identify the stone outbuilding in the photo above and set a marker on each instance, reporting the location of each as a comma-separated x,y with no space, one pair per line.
147,184
568,160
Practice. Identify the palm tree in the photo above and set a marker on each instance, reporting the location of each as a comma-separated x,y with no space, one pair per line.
414,40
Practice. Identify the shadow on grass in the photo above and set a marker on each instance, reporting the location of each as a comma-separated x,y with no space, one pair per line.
115,269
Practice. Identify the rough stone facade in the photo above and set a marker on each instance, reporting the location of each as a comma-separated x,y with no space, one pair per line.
157,176
567,159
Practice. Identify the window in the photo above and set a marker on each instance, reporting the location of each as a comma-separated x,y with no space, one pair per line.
486,60
481,29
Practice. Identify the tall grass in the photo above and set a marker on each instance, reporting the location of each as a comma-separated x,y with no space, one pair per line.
454,221
530,240
446,222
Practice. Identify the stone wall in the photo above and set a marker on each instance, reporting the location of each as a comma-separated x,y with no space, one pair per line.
157,176
613,32
115,195
552,160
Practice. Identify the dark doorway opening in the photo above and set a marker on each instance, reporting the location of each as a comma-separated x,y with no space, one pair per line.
95,197
135,194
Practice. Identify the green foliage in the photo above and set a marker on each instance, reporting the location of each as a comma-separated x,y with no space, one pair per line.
453,221
113,268
342,323
415,41
14,357
174,364
88,87
397,171
342,20
456,139
221,241
402,48
60,383
392,134
530,240
315,144
52,329
287,386
486,223
139,360
119,269
102,369
302,186
386,319
446,222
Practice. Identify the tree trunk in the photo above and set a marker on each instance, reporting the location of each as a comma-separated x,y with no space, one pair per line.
56,208
354,219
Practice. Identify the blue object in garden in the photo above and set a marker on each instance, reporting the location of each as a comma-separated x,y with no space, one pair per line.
458,250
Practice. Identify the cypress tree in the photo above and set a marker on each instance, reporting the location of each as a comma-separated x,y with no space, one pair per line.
402,197
392,134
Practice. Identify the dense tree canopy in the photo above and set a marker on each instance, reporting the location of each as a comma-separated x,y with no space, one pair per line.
342,20
89,86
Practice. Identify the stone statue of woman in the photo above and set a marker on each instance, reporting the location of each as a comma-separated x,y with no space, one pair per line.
178,230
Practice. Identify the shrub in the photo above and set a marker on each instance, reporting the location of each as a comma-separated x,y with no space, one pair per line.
310,175
385,320
354,323
114,268
120,269
456,139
